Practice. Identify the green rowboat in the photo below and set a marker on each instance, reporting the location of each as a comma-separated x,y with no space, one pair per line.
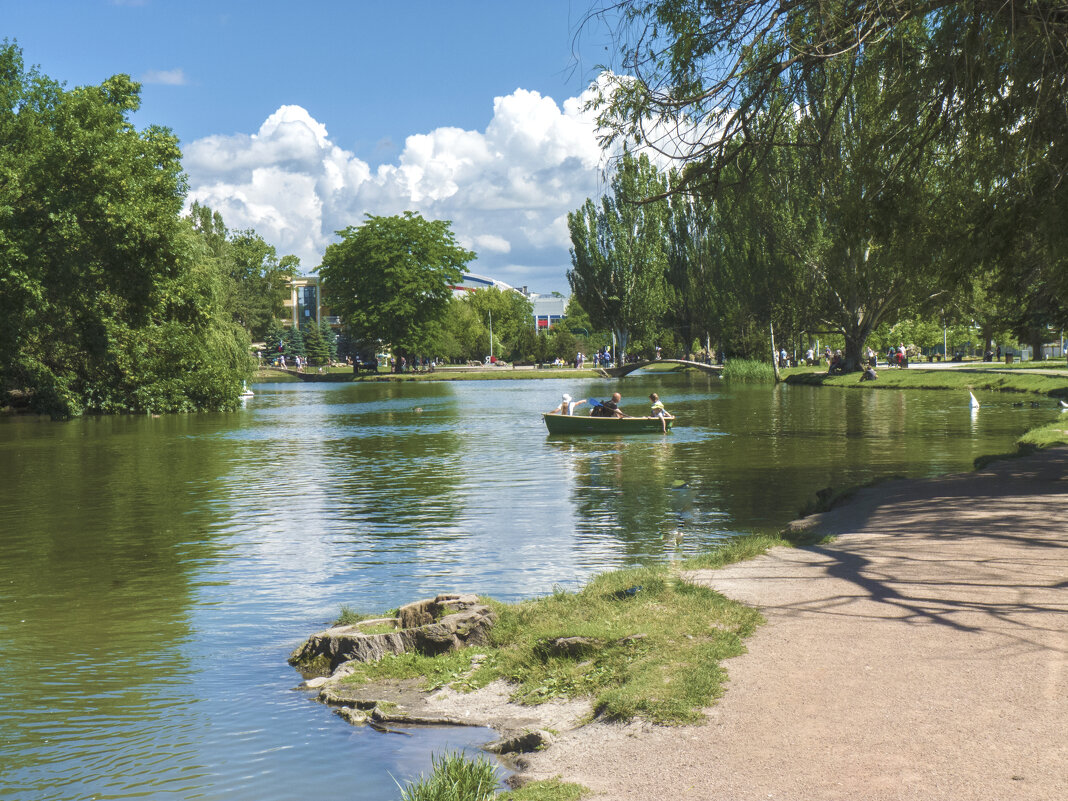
571,424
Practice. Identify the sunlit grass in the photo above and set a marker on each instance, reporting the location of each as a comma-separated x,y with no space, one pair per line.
748,371
454,777
652,647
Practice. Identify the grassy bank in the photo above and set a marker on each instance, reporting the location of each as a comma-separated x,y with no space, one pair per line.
640,642
961,379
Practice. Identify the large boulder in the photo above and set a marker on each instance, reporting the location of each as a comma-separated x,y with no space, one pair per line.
446,622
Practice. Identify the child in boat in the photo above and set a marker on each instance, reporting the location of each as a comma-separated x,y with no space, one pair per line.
567,406
658,410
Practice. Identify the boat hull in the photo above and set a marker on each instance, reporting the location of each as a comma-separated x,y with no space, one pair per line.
572,424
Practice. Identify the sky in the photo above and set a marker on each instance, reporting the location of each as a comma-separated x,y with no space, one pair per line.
297,119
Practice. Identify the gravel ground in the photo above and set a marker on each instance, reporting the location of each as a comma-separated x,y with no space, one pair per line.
922,655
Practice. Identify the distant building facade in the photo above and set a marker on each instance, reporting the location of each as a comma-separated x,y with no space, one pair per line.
304,304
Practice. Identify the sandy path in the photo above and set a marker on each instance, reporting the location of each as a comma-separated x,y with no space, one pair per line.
922,655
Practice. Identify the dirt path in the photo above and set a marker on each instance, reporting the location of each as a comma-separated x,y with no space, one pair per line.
923,655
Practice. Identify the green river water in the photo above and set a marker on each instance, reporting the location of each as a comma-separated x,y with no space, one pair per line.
156,572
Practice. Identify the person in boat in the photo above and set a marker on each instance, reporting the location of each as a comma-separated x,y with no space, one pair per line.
608,408
567,406
658,410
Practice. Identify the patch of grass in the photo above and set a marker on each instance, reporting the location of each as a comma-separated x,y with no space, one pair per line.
453,668
454,777
736,549
1050,435
748,371
654,651
1046,436
658,649
263,376
350,617
546,790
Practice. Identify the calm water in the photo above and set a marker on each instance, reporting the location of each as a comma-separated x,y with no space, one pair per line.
156,572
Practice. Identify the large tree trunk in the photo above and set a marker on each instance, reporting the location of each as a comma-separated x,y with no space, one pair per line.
856,336
1038,337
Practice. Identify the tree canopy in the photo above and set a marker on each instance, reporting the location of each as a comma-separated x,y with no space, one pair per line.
899,151
618,253
390,280
111,302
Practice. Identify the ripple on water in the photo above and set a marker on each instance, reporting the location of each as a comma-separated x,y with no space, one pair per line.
161,570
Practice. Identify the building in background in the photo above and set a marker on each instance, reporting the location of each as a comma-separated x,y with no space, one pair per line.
304,304
548,309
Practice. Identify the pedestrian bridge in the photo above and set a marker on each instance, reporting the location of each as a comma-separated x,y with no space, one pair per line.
627,369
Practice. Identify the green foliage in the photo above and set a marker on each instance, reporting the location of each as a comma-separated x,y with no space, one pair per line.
273,341
389,280
748,371
314,345
455,777
561,343
894,163
330,339
294,343
618,253
467,325
111,302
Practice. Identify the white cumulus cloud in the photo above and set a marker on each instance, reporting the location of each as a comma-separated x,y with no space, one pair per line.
507,189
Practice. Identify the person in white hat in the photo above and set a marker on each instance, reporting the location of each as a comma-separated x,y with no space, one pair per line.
567,406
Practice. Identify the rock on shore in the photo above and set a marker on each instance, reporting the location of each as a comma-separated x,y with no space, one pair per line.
432,626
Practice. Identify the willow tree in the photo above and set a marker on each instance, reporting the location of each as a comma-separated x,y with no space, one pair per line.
618,253
713,84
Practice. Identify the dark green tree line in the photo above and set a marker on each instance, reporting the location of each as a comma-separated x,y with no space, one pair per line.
111,301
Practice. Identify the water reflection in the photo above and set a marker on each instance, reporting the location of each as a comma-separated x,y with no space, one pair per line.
159,570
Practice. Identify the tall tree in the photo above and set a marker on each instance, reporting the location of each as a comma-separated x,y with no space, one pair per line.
110,301
618,254
389,279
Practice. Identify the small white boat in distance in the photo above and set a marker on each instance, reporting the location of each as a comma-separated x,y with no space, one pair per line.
973,403
245,391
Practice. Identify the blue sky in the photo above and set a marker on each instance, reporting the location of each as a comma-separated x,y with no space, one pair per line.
296,119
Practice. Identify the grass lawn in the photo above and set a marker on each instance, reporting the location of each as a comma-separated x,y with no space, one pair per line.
910,378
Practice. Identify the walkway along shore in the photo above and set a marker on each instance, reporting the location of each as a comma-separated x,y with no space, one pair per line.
923,654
